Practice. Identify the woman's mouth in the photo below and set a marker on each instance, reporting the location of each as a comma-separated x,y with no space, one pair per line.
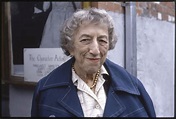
95,60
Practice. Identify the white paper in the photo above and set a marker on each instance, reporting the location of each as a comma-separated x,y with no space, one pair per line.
38,62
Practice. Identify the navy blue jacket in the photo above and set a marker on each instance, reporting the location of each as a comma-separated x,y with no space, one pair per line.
56,95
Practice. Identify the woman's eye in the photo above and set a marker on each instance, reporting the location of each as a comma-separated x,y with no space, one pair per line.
85,40
103,42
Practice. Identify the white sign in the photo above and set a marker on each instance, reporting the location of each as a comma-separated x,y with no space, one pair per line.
38,62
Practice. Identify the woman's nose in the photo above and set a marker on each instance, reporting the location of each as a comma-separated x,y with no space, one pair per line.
94,48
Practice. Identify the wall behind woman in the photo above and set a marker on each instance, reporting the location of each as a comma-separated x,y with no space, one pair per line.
155,62
156,53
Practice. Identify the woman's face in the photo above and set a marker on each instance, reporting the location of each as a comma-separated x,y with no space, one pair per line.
90,47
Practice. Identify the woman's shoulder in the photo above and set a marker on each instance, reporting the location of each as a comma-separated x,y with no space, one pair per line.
122,79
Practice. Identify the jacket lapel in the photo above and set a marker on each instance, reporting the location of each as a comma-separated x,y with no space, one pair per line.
70,101
120,81
113,106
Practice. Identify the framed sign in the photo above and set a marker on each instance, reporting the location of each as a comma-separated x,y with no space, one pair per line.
38,62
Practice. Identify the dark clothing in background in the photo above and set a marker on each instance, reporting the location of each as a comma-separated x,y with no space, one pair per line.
27,27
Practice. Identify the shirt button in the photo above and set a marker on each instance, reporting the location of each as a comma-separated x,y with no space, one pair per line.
97,106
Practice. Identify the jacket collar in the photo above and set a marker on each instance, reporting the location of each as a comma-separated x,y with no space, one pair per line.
121,79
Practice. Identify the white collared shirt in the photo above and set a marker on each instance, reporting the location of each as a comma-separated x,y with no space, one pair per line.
93,104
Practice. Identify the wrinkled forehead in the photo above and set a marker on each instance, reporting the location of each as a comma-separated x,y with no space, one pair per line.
91,24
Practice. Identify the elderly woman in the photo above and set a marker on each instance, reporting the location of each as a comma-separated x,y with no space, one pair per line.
88,84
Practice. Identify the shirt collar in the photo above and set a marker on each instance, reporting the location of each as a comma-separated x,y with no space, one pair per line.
75,77
103,70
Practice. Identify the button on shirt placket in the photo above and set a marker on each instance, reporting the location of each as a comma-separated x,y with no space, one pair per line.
97,106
